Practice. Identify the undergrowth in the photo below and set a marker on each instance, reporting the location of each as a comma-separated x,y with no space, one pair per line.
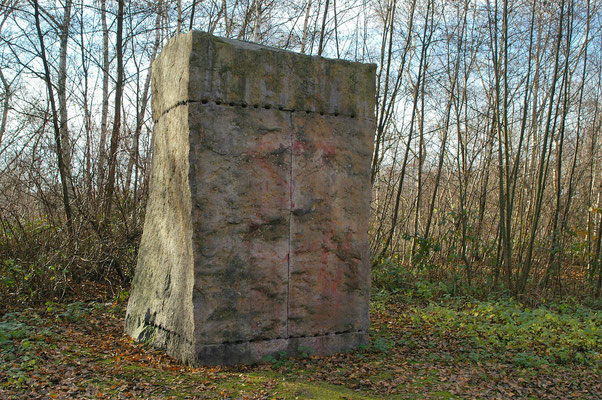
508,331
40,261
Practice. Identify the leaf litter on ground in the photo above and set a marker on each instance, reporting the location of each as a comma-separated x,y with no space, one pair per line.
456,350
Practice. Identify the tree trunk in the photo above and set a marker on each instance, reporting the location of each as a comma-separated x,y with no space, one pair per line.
117,118
55,121
104,115
542,167
305,22
322,31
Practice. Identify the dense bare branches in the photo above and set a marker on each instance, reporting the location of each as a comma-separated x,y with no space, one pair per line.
486,165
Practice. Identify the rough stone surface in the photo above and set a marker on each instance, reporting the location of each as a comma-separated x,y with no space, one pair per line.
255,239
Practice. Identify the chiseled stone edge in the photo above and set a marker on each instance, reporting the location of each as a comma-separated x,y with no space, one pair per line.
171,342
257,351
160,308
200,67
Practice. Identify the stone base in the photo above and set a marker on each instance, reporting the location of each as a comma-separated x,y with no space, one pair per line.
259,350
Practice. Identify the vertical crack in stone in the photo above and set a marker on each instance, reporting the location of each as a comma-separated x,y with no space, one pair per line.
290,223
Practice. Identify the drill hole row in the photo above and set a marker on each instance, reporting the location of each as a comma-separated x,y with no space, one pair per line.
269,106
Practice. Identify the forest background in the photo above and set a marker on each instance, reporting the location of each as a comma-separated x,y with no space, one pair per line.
486,172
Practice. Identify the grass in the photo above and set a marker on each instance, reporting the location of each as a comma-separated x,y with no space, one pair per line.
508,331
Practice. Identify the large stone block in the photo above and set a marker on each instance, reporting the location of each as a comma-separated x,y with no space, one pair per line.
255,239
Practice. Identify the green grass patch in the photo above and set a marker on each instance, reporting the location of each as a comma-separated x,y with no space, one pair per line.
22,338
553,334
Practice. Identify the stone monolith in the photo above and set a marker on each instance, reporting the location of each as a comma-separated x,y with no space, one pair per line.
255,239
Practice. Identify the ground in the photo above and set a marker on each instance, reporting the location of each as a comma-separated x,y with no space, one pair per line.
454,349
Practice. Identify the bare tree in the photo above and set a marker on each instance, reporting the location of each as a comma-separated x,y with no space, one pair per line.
105,95
112,166
63,171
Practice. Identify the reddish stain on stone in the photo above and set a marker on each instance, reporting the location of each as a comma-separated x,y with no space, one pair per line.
298,146
327,149
271,170
328,241
347,244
